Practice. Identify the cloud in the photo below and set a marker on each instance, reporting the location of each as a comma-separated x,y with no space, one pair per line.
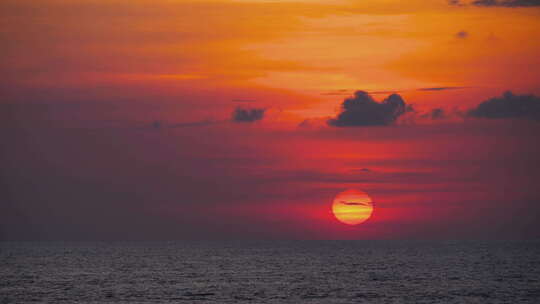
455,2
363,110
507,3
353,203
441,88
157,124
346,92
248,115
437,113
462,35
509,106
337,92
498,3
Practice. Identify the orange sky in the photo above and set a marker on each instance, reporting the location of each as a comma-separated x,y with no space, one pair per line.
126,106
304,48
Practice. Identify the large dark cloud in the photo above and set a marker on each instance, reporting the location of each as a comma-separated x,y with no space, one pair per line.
363,110
509,106
500,3
248,115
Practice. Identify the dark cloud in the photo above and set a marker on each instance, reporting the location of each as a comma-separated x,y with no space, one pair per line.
462,35
453,114
363,110
507,3
345,92
353,203
437,113
455,2
248,115
441,88
498,3
508,106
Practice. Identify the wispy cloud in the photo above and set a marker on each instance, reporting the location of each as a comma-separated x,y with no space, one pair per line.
442,88
462,35
340,92
497,3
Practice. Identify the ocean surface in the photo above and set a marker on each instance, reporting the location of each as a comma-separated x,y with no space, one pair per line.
271,272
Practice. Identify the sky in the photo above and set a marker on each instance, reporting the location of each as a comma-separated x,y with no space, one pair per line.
243,119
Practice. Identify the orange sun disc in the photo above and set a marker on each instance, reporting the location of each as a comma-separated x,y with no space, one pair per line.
352,207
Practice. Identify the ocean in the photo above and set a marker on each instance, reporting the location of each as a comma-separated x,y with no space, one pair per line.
271,272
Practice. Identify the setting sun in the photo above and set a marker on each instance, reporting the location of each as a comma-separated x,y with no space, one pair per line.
352,207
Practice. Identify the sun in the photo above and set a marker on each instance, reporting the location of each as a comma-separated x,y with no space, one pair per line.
352,207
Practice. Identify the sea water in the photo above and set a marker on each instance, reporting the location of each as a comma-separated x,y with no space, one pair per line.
271,272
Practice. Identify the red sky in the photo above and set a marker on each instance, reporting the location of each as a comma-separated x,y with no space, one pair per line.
118,119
